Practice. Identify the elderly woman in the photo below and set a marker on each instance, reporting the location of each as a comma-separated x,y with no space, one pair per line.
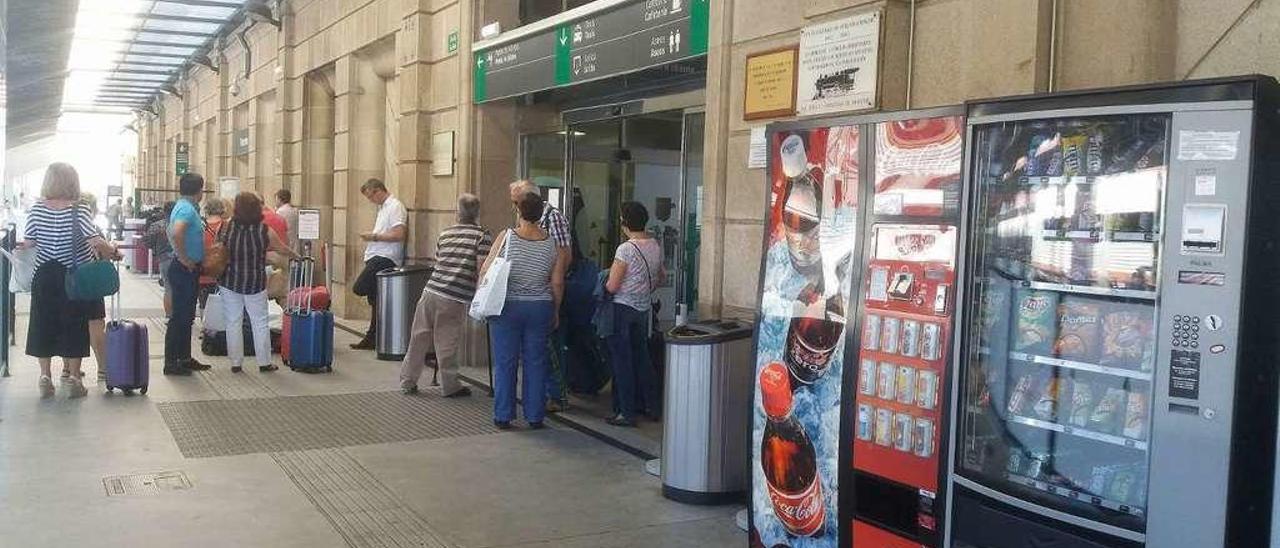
215,214
243,285
61,230
535,287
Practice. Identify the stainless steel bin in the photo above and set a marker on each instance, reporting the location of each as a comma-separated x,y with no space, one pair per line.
707,424
398,292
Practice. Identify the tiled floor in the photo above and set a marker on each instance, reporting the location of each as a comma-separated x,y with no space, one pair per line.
437,484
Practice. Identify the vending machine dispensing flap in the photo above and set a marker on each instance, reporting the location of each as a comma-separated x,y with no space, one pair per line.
1202,228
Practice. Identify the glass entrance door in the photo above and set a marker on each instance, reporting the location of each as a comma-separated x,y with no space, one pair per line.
648,159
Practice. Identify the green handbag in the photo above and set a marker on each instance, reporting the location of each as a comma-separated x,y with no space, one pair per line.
95,279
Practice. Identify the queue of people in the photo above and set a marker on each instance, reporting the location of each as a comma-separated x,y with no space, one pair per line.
227,248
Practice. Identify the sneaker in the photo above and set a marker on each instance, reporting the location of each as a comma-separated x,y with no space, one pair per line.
237,369
460,393
76,389
502,425
267,368
195,365
409,390
619,420
556,406
46,386
364,344
538,425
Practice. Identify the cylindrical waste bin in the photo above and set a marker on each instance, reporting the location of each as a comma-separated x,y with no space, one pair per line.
398,292
707,423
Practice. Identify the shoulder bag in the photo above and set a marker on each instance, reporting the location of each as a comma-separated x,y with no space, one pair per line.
491,294
216,257
95,279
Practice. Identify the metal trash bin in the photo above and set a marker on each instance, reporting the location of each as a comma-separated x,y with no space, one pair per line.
398,292
707,423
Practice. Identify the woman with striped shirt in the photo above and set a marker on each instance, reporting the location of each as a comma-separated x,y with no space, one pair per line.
535,287
243,285
62,231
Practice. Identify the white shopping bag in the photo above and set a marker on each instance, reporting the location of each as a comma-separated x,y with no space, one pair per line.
491,295
214,316
23,263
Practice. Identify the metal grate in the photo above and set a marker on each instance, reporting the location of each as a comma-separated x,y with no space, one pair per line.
361,509
237,427
145,484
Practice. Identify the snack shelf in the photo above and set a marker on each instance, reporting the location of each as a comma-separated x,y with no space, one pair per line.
1080,432
1090,290
1114,236
1081,366
1074,494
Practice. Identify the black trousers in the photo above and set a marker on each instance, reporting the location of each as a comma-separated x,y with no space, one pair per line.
366,285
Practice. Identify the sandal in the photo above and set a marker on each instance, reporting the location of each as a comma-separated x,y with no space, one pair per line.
619,420
237,369
269,367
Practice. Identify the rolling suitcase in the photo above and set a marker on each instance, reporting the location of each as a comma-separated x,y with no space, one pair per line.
310,330
128,353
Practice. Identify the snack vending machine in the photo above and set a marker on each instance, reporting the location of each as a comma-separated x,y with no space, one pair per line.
905,305
1116,380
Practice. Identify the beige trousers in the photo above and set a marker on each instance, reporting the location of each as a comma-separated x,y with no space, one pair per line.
437,326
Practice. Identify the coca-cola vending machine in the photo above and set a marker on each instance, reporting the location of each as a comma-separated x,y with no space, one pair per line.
849,414
905,308
810,246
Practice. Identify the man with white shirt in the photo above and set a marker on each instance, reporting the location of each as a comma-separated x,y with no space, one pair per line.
385,249
284,208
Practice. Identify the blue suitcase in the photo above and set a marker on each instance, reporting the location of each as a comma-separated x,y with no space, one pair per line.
310,331
128,353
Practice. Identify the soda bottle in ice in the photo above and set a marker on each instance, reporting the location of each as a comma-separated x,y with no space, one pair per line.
788,459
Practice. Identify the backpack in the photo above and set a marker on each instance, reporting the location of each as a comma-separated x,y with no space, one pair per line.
156,238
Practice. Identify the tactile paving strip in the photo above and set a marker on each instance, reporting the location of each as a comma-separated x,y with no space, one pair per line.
237,427
236,386
361,509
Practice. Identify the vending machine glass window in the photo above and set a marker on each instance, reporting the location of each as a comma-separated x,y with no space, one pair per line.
1057,367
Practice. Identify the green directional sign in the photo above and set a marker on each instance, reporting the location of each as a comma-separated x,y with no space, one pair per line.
624,38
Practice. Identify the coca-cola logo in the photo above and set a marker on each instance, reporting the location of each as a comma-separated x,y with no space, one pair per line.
912,244
801,514
1035,304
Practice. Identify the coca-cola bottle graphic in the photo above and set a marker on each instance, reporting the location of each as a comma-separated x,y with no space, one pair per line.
788,459
813,334
802,205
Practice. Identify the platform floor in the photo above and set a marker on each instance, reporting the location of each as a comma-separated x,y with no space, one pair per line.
286,459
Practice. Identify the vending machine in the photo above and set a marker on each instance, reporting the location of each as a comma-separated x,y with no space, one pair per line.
857,293
1116,378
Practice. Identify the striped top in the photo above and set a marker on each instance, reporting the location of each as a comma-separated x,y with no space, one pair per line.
54,232
247,257
460,250
531,265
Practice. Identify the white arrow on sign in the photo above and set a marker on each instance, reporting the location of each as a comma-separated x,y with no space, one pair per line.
564,36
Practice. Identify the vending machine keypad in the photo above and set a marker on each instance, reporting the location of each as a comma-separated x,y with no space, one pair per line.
1186,332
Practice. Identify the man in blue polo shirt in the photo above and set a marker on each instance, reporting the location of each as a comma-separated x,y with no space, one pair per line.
186,234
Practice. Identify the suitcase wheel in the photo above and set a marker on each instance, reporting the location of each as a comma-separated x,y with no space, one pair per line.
128,391
143,389
110,389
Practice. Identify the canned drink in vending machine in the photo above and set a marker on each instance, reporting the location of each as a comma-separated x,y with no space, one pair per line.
910,338
884,426
871,332
888,381
927,389
889,335
923,446
867,378
931,341
907,385
902,430
866,428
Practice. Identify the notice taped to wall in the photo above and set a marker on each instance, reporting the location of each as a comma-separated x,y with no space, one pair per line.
838,65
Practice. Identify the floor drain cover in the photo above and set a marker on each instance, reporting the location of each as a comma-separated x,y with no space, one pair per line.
145,484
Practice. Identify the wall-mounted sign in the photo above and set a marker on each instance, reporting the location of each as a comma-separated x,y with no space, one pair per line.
442,153
114,191
452,42
182,158
770,90
615,40
838,65
228,187
308,224
240,142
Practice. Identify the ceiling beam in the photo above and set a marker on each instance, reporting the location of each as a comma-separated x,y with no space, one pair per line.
182,19
175,64
177,32
201,3
119,70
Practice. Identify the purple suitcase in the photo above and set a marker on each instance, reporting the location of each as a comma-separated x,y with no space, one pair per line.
128,353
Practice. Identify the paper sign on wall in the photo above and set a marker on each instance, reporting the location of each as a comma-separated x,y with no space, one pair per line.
1208,145
308,224
442,153
228,187
838,65
758,154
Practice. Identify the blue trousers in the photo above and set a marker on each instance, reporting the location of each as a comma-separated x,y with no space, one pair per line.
182,287
634,380
520,337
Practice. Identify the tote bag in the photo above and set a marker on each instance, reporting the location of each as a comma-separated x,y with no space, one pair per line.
93,280
23,268
491,295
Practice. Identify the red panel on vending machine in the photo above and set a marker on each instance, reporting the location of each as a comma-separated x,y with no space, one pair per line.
866,535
